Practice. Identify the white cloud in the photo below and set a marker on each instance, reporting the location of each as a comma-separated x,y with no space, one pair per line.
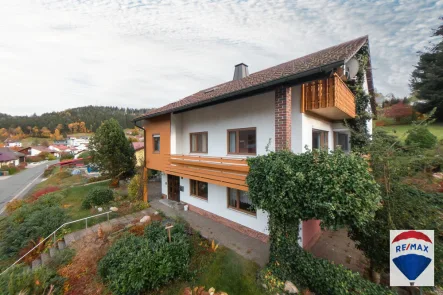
56,54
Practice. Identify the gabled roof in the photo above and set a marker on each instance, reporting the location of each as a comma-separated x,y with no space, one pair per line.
299,67
7,155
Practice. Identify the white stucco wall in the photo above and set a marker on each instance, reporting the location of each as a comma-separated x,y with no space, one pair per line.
302,126
255,111
217,204
164,183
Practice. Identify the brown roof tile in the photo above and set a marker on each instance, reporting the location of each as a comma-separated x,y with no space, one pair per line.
312,61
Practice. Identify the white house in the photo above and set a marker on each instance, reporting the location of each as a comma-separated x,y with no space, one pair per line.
201,142
82,141
12,143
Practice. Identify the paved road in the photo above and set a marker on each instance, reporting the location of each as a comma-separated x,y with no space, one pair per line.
16,186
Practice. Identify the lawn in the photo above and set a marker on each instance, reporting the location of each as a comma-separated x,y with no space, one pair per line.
400,130
223,270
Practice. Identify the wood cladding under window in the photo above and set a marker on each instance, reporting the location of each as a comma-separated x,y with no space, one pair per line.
329,97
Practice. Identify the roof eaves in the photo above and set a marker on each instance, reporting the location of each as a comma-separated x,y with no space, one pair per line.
222,97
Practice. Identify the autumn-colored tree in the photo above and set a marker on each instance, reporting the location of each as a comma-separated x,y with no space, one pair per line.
45,132
57,135
35,131
29,128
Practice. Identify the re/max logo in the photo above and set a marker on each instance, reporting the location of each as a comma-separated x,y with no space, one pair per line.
406,247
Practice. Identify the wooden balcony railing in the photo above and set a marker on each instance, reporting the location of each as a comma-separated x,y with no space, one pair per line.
330,98
230,172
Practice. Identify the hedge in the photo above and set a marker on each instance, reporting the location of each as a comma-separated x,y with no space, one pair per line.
319,275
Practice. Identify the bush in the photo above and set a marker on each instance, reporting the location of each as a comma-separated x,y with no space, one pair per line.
41,192
31,222
98,196
51,157
34,159
134,187
48,171
66,156
36,282
14,205
421,137
319,275
134,263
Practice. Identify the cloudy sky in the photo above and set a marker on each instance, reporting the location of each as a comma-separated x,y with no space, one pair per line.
57,54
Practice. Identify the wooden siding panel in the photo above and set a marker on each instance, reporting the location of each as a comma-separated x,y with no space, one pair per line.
158,125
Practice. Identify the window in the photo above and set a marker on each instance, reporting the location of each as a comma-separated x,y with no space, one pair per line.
156,143
242,141
199,189
199,142
319,139
342,139
239,200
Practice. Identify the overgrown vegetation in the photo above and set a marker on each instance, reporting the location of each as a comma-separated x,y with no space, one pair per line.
421,137
336,188
136,263
401,172
21,280
97,196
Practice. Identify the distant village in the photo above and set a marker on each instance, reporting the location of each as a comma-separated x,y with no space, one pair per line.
15,153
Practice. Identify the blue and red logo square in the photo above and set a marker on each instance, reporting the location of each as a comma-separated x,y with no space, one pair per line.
412,258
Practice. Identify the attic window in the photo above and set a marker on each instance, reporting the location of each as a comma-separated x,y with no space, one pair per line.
210,90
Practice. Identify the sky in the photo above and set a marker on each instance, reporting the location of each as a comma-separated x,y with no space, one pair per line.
59,54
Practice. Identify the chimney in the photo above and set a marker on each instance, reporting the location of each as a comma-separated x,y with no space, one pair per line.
241,71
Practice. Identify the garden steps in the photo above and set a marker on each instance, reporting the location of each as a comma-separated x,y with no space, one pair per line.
45,258
36,263
53,251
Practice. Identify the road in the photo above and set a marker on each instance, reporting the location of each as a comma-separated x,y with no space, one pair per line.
16,186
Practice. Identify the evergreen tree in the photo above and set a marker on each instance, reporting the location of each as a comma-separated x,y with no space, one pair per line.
427,78
111,151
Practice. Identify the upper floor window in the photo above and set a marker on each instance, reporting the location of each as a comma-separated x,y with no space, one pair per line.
242,141
319,139
199,189
239,200
199,142
156,143
342,139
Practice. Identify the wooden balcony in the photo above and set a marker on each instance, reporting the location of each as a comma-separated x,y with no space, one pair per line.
330,98
229,172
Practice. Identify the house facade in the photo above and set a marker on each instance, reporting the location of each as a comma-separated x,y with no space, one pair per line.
201,143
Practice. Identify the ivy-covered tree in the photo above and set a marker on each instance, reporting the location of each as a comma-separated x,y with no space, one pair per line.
427,78
111,151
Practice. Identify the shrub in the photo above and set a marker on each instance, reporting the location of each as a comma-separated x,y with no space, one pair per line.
41,192
48,171
51,157
63,174
134,187
31,222
319,275
134,263
36,282
421,137
66,156
98,196
13,205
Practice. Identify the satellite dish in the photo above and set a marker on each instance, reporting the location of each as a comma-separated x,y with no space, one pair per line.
352,67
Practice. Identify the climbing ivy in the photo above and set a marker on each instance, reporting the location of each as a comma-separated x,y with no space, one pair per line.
359,131
334,187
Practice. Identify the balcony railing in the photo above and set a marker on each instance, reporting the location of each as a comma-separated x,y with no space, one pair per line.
330,98
230,172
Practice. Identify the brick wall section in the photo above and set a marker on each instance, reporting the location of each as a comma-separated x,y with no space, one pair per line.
283,118
238,227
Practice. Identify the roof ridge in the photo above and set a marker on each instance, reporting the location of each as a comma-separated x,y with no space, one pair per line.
336,53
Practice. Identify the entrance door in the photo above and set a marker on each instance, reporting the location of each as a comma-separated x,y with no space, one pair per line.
174,188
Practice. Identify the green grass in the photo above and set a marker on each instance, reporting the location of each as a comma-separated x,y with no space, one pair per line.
400,130
28,141
223,270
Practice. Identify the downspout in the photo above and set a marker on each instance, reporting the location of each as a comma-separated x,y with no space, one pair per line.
145,168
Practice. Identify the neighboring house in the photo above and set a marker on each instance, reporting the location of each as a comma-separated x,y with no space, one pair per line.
201,142
12,143
36,150
24,150
62,142
60,149
73,141
10,157
139,148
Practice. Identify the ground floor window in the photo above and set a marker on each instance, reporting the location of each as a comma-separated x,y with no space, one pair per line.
342,139
319,139
199,189
239,200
